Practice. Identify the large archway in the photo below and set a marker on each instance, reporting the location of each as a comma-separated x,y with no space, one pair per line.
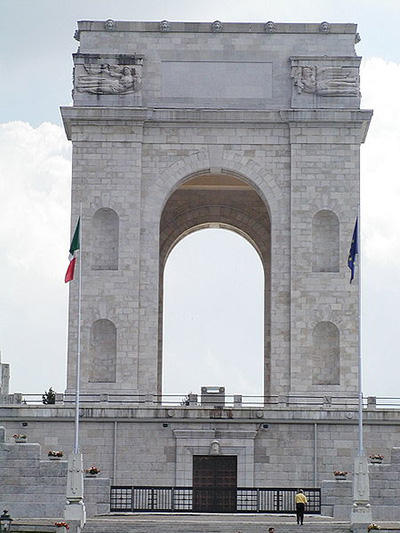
213,314
224,201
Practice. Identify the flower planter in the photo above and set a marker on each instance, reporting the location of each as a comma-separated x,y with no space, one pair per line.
340,477
93,471
55,455
63,527
20,440
376,461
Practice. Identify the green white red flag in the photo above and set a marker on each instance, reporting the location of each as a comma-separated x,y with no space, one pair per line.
75,245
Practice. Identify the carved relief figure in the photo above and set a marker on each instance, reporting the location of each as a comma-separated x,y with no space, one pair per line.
109,25
215,448
325,27
164,25
109,79
305,79
270,27
326,81
217,26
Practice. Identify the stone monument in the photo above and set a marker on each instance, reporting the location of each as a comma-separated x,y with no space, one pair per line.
254,127
4,378
178,126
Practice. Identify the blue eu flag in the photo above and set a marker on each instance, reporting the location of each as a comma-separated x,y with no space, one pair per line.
353,251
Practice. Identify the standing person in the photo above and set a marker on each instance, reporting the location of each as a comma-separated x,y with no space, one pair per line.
301,502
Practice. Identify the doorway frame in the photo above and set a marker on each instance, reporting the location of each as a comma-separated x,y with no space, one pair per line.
190,442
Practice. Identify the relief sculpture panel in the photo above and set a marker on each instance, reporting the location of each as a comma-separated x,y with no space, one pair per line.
325,82
109,79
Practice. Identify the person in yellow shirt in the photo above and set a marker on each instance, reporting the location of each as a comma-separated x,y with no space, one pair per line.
301,502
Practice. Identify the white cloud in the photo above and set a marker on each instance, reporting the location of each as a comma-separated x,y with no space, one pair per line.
380,168
35,174
381,228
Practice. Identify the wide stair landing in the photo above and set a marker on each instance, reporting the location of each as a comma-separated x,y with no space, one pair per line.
211,523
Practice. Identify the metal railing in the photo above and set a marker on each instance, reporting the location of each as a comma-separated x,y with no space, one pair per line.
193,401
187,499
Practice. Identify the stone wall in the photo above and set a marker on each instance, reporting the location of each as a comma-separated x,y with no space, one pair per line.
337,498
155,447
33,486
139,445
385,487
337,495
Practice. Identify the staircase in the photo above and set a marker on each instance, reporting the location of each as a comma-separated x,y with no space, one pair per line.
215,523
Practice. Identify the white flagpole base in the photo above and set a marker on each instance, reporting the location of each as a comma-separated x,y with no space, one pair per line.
74,511
361,513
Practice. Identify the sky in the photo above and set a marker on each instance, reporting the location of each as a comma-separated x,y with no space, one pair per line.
36,43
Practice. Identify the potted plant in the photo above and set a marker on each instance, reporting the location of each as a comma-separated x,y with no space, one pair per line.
19,438
49,397
54,454
376,458
373,526
340,474
92,471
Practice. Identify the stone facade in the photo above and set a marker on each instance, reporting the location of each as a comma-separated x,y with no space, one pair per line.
179,126
276,447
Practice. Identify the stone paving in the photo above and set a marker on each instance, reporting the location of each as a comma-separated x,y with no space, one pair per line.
201,523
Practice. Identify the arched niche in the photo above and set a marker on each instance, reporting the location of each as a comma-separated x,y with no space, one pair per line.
325,240
326,354
105,239
226,201
103,352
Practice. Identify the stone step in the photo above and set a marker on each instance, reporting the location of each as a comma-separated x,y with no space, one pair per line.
191,523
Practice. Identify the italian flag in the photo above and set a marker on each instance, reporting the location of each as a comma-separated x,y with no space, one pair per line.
75,245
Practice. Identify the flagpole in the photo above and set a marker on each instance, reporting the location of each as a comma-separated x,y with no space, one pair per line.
360,391
361,513
78,350
74,510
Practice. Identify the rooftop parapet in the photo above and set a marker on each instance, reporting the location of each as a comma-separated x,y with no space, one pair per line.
216,65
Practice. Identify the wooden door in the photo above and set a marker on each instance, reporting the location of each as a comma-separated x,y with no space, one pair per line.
214,483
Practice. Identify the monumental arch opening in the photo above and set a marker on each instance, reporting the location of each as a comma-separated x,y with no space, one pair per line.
213,314
254,126
224,201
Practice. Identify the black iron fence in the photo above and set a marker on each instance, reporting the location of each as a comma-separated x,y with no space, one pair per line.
187,499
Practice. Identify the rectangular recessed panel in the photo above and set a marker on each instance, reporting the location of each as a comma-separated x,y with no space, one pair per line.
216,79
